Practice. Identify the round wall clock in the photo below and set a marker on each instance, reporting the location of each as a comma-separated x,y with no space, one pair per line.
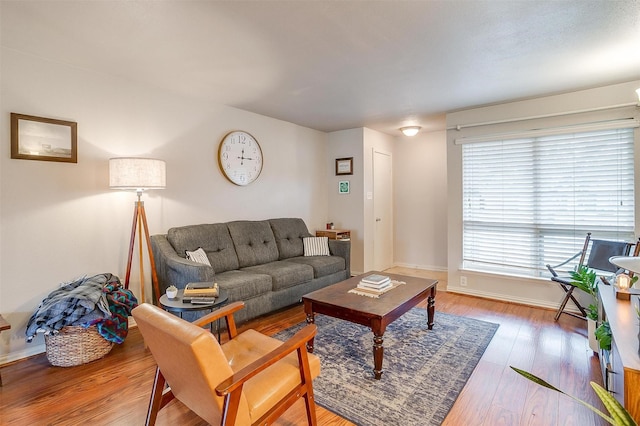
240,157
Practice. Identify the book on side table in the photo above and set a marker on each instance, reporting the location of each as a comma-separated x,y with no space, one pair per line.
200,293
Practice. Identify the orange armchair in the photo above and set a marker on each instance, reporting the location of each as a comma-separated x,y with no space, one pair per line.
250,379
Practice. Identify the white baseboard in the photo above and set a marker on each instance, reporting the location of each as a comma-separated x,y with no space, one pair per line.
422,267
36,349
506,298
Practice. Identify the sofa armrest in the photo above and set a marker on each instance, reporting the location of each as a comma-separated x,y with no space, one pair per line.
342,249
175,270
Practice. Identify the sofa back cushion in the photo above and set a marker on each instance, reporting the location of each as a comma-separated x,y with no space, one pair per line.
254,242
214,240
289,233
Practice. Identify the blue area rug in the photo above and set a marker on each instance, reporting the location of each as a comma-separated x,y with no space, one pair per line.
423,370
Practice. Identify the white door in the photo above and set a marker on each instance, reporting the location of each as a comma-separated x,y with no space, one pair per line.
382,211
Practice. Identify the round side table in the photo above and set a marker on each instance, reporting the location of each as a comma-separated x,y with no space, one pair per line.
177,306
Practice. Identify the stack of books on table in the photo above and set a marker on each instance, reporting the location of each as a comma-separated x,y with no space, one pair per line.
375,282
200,293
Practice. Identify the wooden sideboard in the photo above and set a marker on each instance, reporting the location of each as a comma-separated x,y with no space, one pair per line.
335,234
621,366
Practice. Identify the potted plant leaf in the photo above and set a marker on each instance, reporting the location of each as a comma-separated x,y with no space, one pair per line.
585,279
618,415
603,335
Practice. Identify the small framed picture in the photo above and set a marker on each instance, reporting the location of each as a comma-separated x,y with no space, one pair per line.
343,187
344,166
44,139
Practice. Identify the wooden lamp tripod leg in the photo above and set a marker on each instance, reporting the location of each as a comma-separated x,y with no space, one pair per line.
132,243
140,222
152,262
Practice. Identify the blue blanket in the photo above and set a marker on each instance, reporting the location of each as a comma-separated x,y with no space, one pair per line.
85,302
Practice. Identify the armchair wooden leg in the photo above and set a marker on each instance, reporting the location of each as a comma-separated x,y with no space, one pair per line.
307,383
155,402
310,404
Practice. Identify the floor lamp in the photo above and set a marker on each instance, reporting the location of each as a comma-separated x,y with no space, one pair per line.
138,174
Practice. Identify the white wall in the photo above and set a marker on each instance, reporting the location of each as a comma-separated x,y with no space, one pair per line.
59,221
420,213
354,211
541,292
346,211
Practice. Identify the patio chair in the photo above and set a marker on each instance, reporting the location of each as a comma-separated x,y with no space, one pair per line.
599,253
251,379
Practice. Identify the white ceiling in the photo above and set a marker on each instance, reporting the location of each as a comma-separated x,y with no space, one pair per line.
333,65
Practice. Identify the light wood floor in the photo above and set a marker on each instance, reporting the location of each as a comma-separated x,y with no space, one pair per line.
115,390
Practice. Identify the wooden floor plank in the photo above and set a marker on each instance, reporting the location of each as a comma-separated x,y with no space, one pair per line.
115,390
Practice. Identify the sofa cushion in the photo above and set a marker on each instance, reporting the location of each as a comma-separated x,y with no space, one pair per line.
254,242
284,274
214,240
322,265
243,285
289,233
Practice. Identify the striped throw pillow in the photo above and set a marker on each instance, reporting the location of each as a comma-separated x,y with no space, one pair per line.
316,246
198,256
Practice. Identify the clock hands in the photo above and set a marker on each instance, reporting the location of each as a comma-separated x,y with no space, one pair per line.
242,158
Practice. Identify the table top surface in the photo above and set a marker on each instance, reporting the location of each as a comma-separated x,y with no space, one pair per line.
4,325
176,304
338,296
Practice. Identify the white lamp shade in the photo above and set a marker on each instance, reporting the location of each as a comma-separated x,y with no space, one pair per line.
630,263
137,173
410,130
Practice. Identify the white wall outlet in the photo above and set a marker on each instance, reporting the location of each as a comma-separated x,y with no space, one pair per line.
463,281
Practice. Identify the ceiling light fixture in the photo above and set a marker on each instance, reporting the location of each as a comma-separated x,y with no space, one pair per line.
410,130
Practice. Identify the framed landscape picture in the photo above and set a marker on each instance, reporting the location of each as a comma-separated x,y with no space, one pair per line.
44,139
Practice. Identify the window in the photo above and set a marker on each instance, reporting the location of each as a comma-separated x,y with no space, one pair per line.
530,201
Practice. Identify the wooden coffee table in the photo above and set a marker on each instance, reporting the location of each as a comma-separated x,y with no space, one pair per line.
336,301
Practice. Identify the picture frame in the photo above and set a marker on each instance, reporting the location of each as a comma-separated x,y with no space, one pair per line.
43,139
343,187
344,166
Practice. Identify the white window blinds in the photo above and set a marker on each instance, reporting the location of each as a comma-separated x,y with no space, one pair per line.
530,201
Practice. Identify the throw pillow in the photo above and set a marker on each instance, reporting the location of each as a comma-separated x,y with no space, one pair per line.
316,246
198,256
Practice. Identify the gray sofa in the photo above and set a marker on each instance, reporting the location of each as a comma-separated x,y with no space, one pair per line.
259,262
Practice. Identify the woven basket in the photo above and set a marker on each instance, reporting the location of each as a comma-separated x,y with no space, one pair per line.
76,345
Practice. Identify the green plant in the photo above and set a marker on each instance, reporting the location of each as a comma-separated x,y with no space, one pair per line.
618,416
585,279
603,335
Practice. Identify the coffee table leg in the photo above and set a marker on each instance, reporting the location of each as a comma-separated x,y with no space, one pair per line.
310,320
431,307
378,352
